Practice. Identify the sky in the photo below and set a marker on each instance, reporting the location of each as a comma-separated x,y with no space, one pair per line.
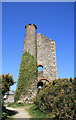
55,20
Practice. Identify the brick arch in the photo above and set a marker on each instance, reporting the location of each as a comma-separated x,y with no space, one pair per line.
40,65
43,79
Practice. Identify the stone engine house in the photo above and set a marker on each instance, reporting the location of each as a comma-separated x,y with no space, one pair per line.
44,51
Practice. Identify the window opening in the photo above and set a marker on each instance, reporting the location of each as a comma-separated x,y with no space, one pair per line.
40,68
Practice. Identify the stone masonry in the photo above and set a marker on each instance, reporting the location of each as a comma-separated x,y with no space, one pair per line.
46,56
43,49
30,39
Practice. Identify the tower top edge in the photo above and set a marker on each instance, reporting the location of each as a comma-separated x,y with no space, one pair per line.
31,24
40,34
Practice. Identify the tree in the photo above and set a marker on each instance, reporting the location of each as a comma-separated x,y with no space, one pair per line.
6,81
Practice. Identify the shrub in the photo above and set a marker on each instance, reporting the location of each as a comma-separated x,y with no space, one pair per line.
15,104
27,75
57,99
4,112
36,113
6,81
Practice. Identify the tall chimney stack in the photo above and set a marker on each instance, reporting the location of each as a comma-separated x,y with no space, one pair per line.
30,39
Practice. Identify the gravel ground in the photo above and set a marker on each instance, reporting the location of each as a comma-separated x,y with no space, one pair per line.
21,112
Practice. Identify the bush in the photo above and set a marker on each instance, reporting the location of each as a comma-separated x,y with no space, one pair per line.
4,112
36,113
6,81
27,75
57,99
15,104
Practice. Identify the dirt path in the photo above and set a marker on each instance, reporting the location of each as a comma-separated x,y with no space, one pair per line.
20,112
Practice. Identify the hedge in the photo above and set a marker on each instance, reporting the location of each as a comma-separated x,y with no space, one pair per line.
57,99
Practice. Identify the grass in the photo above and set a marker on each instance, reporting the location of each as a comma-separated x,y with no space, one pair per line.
30,108
35,113
15,104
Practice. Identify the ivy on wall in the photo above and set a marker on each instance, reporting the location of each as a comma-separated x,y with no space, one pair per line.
27,75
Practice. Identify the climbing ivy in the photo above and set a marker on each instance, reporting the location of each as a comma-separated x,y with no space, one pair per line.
27,75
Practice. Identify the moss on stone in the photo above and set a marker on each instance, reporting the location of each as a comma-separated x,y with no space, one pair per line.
27,75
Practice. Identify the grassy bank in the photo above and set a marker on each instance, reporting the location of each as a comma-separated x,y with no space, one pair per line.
35,113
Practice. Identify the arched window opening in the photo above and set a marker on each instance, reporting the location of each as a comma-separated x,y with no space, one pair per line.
40,68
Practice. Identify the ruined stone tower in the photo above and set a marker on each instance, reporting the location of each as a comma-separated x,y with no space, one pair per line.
30,39
38,52
43,49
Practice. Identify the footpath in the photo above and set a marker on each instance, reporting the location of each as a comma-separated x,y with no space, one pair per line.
20,112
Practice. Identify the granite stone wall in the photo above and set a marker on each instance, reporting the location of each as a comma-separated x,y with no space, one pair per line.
43,49
30,39
9,99
46,56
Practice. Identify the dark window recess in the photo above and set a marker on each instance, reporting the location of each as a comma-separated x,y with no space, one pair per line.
40,84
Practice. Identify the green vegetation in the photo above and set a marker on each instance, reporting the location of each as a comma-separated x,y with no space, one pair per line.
27,75
7,113
6,81
36,113
15,104
56,99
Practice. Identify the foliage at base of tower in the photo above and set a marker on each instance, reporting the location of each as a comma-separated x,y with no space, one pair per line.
27,75
6,81
57,99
